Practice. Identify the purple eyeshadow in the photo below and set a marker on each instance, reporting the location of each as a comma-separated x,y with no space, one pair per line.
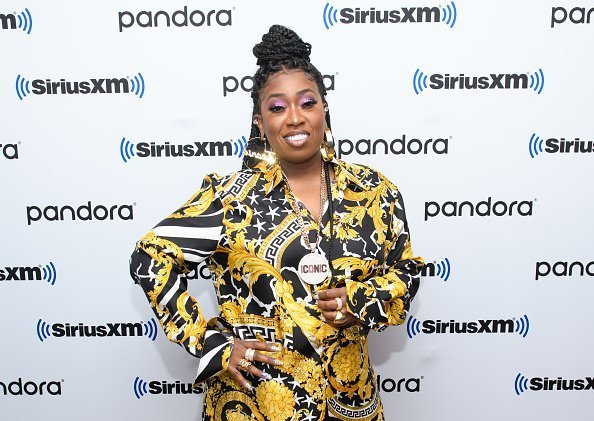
306,100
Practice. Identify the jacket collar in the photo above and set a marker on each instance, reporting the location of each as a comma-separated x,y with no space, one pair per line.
346,175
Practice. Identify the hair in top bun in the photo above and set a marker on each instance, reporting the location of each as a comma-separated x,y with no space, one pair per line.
280,44
281,49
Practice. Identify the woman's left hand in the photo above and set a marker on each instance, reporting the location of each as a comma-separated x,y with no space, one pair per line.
329,305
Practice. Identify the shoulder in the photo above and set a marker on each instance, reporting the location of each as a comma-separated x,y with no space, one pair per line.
369,176
226,186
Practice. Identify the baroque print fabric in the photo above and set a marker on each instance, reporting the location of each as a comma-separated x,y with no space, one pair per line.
243,227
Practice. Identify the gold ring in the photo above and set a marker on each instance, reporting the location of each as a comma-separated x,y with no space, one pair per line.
249,354
338,303
244,364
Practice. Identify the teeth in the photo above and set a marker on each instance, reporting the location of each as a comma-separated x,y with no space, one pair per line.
296,137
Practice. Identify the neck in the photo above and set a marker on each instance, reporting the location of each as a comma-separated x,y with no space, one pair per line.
303,170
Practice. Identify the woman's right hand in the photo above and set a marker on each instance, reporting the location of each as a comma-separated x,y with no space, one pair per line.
239,353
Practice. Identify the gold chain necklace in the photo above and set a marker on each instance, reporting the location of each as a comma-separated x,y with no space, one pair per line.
313,267
297,210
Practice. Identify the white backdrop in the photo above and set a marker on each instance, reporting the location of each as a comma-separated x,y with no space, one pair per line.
187,84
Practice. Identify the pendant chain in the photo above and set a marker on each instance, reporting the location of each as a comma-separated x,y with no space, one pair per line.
297,211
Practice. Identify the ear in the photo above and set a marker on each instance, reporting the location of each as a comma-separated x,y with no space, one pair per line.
257,120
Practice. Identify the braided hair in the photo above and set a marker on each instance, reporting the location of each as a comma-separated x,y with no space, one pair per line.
281,49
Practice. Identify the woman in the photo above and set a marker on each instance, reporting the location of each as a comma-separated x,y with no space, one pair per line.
308,255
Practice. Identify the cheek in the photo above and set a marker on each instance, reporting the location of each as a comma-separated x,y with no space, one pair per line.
320,122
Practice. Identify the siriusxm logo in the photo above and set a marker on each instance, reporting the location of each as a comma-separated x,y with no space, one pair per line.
520,326
537,384
129,150
441,269
347,15
31,388
246,83
179,18
125,85
9,151
563,269
527,81
46,272
82,330
398,146
22,21
163,387
576,15
86,212
482,208
558,145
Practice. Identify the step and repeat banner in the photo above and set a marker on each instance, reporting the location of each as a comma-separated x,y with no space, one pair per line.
112,112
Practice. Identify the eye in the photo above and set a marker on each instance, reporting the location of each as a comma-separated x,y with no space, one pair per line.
308,103
276,107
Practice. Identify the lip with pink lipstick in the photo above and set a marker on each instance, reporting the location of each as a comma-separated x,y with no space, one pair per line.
296,138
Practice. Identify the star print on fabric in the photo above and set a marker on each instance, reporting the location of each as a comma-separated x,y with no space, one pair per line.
309,417
309,401
272,212
280,379
253,198
259,225
259,241
241,207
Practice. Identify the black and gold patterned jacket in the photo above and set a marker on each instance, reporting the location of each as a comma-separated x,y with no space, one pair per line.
243,227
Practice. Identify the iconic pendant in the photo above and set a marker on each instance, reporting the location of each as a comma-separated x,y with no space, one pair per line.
313,268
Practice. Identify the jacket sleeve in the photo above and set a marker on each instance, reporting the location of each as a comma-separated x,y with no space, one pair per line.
384,300
159,264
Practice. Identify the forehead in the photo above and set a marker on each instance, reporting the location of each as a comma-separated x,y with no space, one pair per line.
288,82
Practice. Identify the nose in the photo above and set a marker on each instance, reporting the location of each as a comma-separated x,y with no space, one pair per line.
295,116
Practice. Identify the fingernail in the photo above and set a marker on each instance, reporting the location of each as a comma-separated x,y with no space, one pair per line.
316,296
277,362
275,348
266,376
248,386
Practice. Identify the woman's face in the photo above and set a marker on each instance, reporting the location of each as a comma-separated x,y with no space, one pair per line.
292,116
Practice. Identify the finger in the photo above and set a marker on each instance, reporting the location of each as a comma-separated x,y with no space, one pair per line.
266,359
258,373
262,346
331,316
240,379
348,321
342,326
330,294
331,304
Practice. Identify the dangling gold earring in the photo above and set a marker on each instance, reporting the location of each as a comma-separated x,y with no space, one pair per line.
258,148
327,146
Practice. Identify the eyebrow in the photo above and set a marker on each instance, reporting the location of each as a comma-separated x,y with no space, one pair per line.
301,92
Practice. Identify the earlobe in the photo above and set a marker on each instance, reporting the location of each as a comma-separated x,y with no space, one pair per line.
257,121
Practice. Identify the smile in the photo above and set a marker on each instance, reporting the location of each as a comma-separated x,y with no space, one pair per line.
297,137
